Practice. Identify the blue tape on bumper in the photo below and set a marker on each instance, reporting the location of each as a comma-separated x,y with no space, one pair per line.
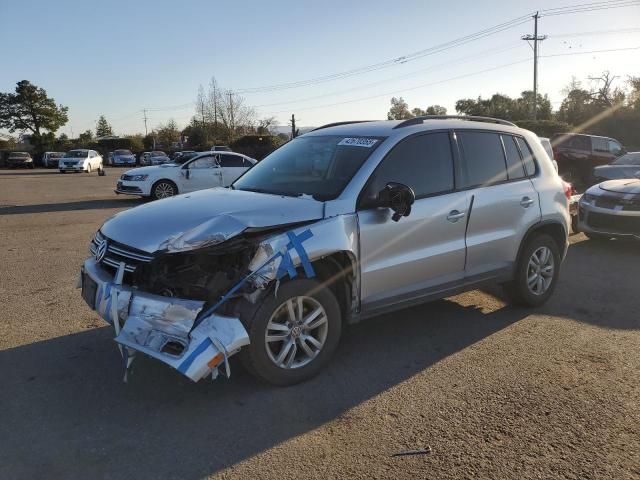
184,366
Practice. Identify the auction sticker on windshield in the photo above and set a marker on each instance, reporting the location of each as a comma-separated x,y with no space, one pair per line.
358,142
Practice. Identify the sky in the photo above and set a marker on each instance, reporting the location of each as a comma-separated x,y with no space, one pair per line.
116,58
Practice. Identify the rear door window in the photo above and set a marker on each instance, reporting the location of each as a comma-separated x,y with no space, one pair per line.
600,144
483,161
231,161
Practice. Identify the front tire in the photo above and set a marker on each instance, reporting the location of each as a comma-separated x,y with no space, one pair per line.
163,189
536,273
293,334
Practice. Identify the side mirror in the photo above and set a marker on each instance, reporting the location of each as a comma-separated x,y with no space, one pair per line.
398,197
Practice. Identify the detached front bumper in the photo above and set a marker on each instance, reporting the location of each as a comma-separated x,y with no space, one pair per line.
609,222
162,327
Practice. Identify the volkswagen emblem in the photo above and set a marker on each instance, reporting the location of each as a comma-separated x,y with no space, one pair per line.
101,251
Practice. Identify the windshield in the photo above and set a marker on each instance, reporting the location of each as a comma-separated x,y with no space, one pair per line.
19,155
158,154
628,159
77,154
122,152
317,166
56,155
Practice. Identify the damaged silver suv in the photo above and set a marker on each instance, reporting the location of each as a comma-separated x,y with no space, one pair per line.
343,223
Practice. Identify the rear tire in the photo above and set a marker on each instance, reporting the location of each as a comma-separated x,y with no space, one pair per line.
536,273
281,316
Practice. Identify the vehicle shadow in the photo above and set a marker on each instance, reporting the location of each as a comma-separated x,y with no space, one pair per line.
64,398
600,281
69,206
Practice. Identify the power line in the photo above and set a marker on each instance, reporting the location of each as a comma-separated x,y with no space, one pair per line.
397,92
587,8
594,32
395,61
415,72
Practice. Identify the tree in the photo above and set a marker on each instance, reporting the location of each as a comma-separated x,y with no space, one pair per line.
137,142
85,138
399,109
265,125
436,110
103,129
31,109
168,133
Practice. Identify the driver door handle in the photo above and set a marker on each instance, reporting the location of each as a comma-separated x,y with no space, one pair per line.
455,215
526,202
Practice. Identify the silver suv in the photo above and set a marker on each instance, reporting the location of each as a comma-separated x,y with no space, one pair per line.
343,223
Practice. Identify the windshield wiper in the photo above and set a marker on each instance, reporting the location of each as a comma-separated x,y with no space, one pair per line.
271,192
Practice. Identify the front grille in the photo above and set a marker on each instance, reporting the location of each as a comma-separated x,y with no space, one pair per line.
127,188
614,223
618,203
117,252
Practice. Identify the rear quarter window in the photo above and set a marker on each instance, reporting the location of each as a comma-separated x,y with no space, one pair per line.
527,156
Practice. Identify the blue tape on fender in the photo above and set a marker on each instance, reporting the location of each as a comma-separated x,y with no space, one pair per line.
286,265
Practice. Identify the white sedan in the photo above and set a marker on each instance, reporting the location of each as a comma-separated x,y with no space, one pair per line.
206,170
80,161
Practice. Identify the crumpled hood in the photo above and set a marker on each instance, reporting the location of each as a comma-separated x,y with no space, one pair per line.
205,217
627,186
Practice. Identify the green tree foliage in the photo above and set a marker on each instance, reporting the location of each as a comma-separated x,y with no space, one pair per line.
399,110
436,110
30,109
506,108
168,134
85,138
137,142
103,129
257,146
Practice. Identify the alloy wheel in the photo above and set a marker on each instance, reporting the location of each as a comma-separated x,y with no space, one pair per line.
540,271
296,332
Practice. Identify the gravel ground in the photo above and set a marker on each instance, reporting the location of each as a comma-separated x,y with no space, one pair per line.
496,392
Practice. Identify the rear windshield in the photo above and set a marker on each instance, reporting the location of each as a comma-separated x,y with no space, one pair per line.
123,152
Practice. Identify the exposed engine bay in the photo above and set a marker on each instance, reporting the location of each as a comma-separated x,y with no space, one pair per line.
203,274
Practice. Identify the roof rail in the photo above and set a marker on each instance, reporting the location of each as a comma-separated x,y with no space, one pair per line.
472,118
337,124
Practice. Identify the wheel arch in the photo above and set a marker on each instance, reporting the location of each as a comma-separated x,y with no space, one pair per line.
337,272
549,227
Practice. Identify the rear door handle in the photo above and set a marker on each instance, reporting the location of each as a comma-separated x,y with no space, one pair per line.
526,202
455,215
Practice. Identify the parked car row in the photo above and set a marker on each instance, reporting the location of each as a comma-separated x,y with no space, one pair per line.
202,170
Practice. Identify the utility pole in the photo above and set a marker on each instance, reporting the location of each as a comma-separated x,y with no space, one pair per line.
535,38
293,126
145,123
232,124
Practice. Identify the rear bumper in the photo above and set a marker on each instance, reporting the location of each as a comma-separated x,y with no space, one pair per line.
161,327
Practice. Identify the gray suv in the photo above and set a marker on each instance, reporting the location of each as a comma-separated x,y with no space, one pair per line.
338,225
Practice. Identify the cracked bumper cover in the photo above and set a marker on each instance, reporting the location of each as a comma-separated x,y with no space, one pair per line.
162,327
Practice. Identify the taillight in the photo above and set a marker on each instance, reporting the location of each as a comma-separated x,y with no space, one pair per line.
568,189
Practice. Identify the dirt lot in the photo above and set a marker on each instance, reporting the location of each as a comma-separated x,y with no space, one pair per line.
496,392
